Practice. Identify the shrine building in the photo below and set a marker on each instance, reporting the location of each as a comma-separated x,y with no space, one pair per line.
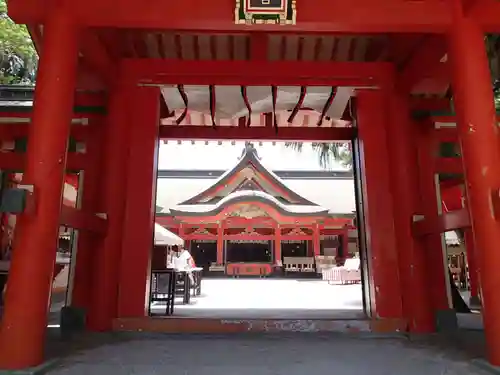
398,79
250,214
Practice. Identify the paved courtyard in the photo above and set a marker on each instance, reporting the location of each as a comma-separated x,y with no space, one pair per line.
274,299
287,354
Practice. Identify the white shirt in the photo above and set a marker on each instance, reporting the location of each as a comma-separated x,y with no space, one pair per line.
181,260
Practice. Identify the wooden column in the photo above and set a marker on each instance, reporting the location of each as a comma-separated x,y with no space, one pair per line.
105,280
478,133
90,202
404,175
277,246
220,245
24,319
138,229
382,252
316,241
431,206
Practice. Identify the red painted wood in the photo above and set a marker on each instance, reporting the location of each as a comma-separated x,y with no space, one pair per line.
11,131
24,319
17,161
385,289
437,274
360,16
423,62
294,73
406,201
439,224
83,220
448,165
103,307
478,133
88,241
138,228
248,269
192,132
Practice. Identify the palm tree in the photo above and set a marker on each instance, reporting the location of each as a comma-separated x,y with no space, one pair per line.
328,153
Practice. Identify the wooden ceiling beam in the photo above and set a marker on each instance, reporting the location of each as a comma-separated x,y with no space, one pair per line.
358,16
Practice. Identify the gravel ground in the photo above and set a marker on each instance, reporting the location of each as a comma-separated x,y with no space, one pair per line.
151,354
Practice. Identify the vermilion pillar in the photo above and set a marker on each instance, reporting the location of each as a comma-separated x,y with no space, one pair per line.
378,206
105,279
478,133
87,240
138,232
277,246
316,241
24,319
220,245
404,175
430,206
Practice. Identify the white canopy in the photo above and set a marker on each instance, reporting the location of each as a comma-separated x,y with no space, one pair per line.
165,237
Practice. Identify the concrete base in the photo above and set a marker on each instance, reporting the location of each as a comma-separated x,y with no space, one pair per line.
485,365
38,370
446,321
474,302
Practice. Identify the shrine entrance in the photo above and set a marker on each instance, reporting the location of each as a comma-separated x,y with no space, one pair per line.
293,248
204,253
248,251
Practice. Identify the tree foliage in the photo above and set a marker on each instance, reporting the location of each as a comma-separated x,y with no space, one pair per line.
18,57
328,153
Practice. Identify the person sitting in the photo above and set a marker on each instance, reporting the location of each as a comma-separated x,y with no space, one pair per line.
183,261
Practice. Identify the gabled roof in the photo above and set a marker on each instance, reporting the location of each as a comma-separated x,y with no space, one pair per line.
249,159
248,196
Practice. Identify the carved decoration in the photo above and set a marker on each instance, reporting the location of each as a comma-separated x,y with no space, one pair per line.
248,211
280,12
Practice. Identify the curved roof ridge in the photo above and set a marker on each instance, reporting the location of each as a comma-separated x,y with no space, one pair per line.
248,196
249,156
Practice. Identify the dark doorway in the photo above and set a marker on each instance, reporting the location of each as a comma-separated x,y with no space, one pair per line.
294,248
250,252
204,254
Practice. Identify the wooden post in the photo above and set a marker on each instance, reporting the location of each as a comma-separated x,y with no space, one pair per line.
138,227
24,319
478,134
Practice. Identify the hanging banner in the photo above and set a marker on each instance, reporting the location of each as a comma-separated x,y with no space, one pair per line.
279,12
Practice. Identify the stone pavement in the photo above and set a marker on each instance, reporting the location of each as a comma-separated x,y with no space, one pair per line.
290,354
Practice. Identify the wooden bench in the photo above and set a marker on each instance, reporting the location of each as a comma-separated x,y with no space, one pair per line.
299,264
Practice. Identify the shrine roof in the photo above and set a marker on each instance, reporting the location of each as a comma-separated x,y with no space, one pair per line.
248,196
249,158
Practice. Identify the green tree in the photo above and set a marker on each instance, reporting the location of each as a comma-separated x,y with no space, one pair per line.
328,153
18,57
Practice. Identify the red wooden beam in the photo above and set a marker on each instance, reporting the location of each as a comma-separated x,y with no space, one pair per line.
449,135
424,62
443,223
294,73
95,55
319,16
259,44
430,104
488,11
192,132
15,161
78,219
10,131
449,165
